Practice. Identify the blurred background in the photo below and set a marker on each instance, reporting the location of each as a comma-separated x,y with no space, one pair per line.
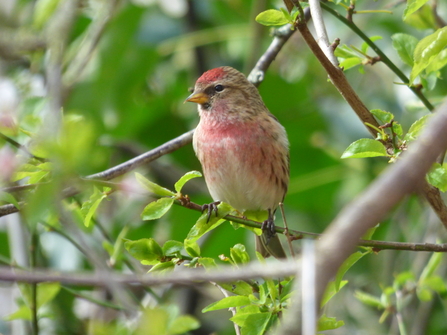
126,70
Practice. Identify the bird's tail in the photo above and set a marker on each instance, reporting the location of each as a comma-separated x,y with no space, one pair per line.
266,244
270,246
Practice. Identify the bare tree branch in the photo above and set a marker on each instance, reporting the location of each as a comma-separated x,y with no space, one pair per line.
183,277
320,29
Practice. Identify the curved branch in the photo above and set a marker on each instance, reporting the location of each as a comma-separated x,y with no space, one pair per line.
380,53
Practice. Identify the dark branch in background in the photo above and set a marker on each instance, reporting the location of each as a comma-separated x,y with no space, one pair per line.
13,45
199,51
282,35
83,55
19,146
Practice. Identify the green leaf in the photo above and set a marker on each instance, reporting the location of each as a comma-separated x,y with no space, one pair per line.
152,187
23,313
9,198
207,262
348,63
172,248
252,323
426,50
416,128
157,209
145,249
327,323
438,176
412,6
382,116
365,45
405,45
183,324
422,19
43,10
192,248
46,292
90,206
232,301
369,299
431,266
365,147
370,232
424,294
271,17
343,51
239,255
161,267
203,226
397,129
331,291
404,277
240,287
438,62
185,178
435,283
347,264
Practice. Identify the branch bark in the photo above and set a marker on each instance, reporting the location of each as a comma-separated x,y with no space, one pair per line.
185,277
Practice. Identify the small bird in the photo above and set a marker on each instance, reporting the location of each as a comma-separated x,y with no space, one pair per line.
243,149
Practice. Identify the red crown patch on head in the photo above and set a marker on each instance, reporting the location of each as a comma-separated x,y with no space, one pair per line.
212,75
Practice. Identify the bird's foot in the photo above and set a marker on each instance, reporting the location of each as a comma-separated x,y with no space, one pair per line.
268,227
211,207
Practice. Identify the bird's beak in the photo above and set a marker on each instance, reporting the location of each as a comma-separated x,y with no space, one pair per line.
200,98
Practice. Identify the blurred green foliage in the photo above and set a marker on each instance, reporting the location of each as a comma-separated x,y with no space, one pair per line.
126,72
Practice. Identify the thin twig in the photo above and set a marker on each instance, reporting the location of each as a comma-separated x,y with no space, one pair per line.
286,230
232,309
20,146
320,29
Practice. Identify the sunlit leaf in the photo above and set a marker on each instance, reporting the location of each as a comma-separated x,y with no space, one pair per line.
369,299
384,117
185,178
426,50
331,290
405,45
145,249
365,45
239,255
365,147
328,323
183,324
347,264
416,128
438,176
412,6
160,267
9,198
232,301
152,187
272,17
255,323
192,248
156,209
172,248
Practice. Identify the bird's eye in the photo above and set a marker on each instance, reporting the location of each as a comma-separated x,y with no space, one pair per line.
218,88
